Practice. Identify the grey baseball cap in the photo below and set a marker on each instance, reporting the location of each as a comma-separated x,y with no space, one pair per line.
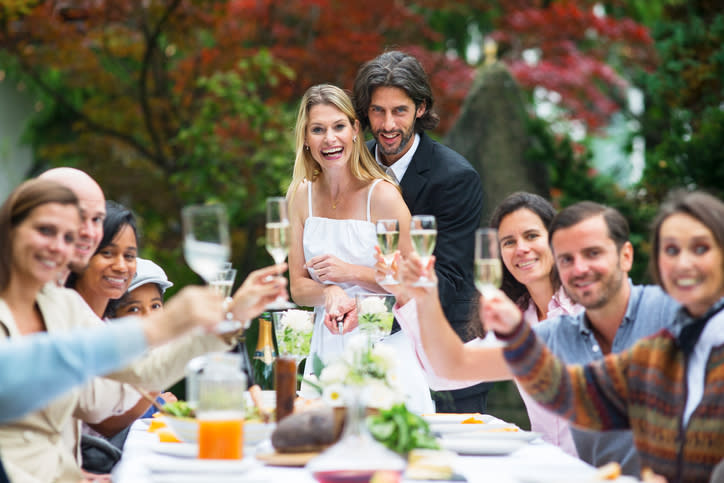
149,272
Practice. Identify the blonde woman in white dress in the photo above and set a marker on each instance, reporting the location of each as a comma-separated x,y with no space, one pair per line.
337,194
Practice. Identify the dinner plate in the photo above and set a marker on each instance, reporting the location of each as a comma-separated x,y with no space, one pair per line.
457,418
499,435
442,428
485,447
542,474
162,464
179,450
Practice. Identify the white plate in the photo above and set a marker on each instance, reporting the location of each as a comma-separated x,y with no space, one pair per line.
499,435
455,418
467,428
180,450
488,447
563,475
182,465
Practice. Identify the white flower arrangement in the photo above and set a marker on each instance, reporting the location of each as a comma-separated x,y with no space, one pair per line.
373,315
362,365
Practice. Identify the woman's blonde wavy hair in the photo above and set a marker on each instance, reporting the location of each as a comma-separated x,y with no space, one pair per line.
362,164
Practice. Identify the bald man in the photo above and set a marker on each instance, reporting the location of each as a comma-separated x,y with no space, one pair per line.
92,211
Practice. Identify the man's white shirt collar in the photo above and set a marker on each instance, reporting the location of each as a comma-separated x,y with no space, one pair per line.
399,167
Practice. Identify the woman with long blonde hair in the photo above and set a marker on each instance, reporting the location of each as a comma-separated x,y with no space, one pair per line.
337,194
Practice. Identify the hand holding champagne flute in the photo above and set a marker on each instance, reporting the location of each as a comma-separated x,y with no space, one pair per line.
278,232
488,268
423,232
207,246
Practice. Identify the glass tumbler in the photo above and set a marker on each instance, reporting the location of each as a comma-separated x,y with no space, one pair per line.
220,411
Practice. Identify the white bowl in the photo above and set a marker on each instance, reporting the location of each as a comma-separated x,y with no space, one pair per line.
185,429
256,432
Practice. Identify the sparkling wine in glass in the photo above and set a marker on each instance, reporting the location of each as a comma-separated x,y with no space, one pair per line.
423,232
488,267
278,231
388,236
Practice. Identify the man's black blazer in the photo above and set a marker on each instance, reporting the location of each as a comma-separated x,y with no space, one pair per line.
441,182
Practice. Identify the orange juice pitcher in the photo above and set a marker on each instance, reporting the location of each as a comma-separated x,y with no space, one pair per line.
220,411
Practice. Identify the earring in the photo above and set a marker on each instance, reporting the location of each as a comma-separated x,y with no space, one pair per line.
354,139
306,146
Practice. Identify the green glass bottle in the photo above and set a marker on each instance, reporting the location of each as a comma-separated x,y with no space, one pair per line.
265,353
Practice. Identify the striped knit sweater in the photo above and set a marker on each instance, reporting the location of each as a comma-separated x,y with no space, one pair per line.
642,389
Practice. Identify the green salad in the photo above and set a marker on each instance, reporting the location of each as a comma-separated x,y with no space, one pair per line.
401,430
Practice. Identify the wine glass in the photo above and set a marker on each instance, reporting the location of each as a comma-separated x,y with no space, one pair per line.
388,235
488,268
277,239
207,247
374,314
206,239
423,231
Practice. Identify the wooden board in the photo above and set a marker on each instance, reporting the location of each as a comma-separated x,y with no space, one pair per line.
286,459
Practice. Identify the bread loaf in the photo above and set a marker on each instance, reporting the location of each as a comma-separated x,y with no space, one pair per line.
311,430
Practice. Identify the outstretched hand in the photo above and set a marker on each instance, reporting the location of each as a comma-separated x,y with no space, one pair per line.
192,307
260,288
499,313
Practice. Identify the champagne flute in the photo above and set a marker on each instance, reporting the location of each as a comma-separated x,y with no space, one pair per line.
388,235
488,268
423,231
277,239
207,246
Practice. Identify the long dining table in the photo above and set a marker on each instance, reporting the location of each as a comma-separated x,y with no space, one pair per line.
146,460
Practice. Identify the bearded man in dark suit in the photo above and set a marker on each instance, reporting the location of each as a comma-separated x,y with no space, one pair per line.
393,98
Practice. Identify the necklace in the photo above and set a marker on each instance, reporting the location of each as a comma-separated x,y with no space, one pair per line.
334,204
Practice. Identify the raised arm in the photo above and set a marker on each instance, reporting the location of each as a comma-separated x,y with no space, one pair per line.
449,357
592,396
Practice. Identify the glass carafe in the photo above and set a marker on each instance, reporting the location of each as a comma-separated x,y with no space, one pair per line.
357,456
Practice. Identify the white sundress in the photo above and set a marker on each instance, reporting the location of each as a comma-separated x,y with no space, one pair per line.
354,241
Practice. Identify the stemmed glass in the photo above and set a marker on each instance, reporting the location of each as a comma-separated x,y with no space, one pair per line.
374,314
423,231
277,239
388,236
488,268
207,245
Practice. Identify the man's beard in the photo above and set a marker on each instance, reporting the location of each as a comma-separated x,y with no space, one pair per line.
405,137
610,287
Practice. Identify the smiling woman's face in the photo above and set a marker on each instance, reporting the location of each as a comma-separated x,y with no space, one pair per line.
43,243
111,270
524,246
691,263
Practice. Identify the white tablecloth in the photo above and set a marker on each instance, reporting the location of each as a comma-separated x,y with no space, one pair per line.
534,462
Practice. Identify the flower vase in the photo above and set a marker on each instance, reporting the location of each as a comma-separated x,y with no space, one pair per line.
356,457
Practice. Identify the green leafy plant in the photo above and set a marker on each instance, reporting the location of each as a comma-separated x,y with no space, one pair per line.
401,430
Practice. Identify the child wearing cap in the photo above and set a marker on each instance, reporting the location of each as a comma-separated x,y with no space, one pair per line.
144,295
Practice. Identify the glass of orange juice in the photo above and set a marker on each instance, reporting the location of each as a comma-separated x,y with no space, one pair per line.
220,412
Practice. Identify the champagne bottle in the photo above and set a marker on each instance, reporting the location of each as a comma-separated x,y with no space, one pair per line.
265,354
